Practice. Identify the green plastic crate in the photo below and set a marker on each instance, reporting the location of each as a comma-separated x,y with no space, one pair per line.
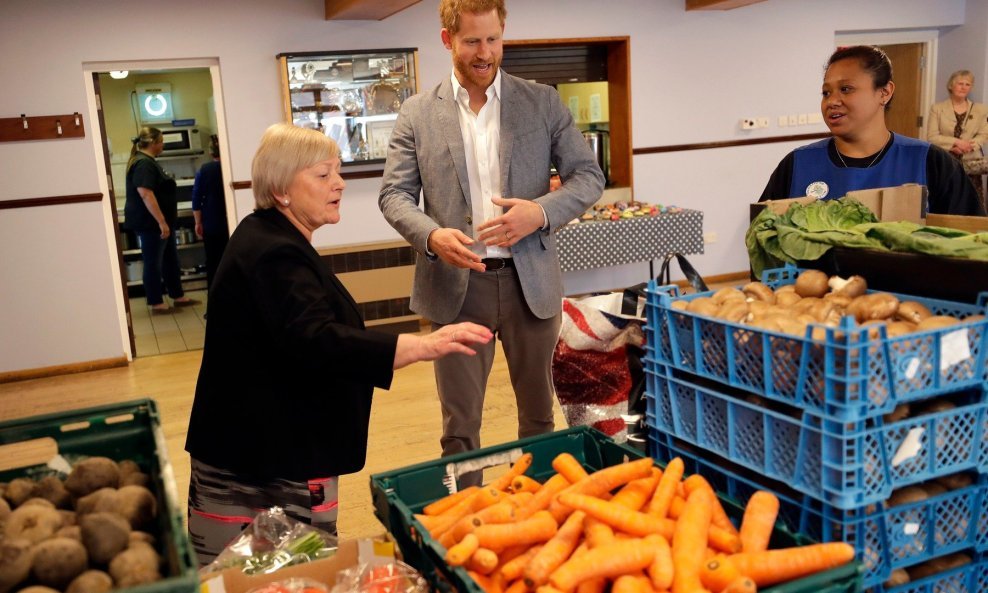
400,493
129,430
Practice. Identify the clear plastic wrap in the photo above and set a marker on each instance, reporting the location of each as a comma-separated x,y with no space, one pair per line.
391,576
272,541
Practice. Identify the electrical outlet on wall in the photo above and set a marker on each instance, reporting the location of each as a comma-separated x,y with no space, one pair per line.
748,123
814,118
762,122
783,121
802,119
793,120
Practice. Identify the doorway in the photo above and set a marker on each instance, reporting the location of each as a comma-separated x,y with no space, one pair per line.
194,96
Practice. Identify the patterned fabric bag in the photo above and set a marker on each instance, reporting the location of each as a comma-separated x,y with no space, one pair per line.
596,366
975,166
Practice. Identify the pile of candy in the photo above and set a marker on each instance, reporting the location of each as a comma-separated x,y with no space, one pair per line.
622,209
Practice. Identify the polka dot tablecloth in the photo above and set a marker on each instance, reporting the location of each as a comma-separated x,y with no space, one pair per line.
598,244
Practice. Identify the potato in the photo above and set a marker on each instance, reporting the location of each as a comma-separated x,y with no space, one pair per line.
135,566
898,577
53,490
19,490
955,481
89,475
900,412
70,531
907,495
57,561
136,479
137,504
128,466
91,581
15,562
104,499
38,501
38,589
142,537
105,535
4,510
34,523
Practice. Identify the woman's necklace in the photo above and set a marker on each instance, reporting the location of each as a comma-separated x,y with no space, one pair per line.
873,161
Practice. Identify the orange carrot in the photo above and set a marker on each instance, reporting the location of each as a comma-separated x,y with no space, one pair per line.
436,524
519,467
618,517
485,497
569,467
592,586
538,528
759,521
483,561
445,503
517,586
461,552
544,496
609,561
717,573
631,583
676,508
555,551
775,566
723,540
488,584
547,589
741,585
661,570
636,493
658,506
597,532
602,481
719,517
525,484
513,569
689,541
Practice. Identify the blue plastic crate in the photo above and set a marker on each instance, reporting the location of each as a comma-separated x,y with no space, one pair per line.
972,578
885,538
857,372
847,465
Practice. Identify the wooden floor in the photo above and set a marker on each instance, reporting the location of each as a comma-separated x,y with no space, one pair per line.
405,421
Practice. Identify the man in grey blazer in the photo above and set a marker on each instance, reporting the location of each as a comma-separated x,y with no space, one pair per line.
479,135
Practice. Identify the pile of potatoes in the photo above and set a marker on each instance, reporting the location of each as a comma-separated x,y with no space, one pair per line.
816,298
85,534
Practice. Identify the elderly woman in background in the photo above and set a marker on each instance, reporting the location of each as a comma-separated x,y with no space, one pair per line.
283,400
960,126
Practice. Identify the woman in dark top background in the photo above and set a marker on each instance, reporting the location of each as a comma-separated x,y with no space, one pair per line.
209,210
151,211
863,153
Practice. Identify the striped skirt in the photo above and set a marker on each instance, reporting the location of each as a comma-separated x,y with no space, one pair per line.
222,504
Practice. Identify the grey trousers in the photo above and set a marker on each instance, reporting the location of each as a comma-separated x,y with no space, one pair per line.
494,299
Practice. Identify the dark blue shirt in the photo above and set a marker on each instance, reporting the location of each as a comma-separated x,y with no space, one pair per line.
207,196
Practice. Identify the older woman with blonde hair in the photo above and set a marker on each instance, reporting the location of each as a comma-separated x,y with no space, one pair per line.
960,126
283,400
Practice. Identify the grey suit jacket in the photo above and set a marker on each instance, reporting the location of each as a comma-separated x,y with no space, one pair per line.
426,160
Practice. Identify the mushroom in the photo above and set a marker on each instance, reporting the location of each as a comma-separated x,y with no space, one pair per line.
727,294
787,298
852,287
912,311
936,322
811,283
734,311
879,305
702,306
756,291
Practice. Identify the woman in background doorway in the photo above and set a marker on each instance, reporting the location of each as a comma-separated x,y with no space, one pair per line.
151,211
960,126
209,210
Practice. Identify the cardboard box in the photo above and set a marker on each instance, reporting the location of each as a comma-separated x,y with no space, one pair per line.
903,202
233,580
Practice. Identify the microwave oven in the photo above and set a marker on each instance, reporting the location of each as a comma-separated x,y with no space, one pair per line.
181,141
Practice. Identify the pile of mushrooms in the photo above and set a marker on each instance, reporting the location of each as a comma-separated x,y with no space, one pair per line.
818,299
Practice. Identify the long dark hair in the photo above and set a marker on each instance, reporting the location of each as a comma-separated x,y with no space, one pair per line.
872,60
146,137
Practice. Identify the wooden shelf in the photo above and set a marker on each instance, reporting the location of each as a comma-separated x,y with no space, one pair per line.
365,10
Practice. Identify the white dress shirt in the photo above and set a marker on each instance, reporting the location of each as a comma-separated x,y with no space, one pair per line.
481,143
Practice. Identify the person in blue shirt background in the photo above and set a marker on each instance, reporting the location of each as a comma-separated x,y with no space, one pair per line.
863,153
209,210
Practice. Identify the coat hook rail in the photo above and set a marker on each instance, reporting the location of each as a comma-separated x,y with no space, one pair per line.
41,127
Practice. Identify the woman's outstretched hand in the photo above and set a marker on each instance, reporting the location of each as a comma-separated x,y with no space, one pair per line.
449,339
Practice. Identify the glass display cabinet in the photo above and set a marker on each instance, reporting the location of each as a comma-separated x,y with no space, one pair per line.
351,96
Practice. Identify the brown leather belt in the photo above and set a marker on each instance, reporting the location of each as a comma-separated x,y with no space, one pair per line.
498,263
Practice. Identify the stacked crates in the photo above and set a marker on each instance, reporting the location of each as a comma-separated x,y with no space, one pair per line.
811,420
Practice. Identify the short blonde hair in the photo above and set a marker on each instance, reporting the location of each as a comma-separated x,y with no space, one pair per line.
959,74
284,151
450,11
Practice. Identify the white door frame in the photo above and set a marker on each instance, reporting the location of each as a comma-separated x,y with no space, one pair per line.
928,37
88,69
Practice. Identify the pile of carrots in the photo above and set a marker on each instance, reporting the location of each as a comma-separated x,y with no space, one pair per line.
631,527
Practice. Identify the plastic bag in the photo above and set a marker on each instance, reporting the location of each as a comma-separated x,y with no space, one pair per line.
392,576
292,586
274,540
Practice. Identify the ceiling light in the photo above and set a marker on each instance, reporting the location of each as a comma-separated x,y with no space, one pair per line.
119,74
